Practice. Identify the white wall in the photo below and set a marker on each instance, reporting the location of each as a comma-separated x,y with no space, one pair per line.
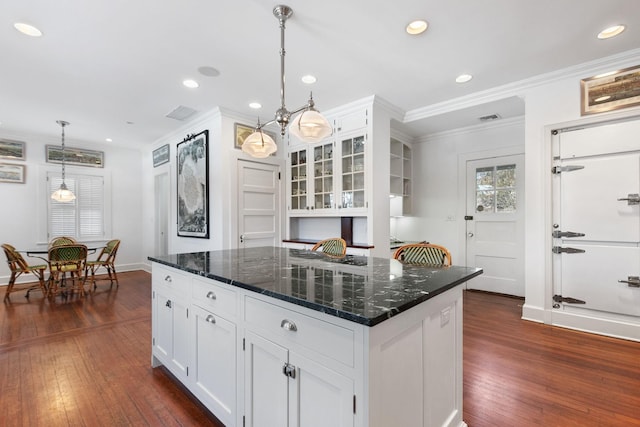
437,215
223,184
21,209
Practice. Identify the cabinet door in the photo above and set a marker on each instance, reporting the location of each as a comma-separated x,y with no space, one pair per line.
266,387
352,182
214,369
171,332
298,182
323,185
319,396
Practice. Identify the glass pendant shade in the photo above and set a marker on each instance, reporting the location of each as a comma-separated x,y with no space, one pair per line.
63,194
259,145
310,126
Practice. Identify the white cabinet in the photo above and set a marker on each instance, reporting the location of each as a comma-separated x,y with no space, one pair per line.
329,178
288,380
170,321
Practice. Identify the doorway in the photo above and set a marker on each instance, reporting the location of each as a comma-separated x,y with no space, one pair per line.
494,223
258,204
596,224
161,232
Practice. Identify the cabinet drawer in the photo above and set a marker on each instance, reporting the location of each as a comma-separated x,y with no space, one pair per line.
170,279
211,296
328,339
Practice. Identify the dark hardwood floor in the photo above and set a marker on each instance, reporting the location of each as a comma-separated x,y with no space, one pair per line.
86,362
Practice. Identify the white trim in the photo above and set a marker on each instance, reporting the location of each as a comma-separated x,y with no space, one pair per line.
472,129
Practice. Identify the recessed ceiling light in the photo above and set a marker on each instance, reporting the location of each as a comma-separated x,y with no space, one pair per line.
417,27
612,31
192,84
309,79
108,139
255,105
463,78
208,71
27,29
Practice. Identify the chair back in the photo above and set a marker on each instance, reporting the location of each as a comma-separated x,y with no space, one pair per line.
423,254
15,260
62,240
109,251
333,246
68,257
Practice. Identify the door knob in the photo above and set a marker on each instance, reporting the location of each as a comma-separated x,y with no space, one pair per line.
242,238
469,234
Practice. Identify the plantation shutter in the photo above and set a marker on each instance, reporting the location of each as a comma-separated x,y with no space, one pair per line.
83,218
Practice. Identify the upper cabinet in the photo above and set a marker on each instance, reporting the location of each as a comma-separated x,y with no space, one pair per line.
400,178
328,178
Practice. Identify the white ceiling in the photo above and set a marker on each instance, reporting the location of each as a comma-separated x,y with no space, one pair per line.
114,68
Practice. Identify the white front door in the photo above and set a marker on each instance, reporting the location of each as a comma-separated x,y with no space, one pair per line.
494,223
258,204
596,221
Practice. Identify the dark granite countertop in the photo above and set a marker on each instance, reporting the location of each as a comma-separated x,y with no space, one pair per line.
364,290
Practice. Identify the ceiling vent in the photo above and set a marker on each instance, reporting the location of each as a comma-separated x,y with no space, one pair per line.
489,117
181,113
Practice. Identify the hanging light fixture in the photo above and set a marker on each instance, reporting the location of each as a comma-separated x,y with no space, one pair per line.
308,126
63,194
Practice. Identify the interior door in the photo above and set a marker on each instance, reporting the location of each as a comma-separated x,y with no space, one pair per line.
494,223
596,220
259,204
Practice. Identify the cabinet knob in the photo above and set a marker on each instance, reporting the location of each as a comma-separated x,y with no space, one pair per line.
211,319
168,279
288,325
211,295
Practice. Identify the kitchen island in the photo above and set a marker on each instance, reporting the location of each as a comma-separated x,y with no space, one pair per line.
272,337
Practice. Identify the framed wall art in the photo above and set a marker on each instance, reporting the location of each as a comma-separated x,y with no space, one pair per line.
10,149
75,156
193,185
161,155
610,91
12,173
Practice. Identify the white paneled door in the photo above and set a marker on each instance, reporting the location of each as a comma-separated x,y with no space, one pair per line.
596,220
258,204
494,223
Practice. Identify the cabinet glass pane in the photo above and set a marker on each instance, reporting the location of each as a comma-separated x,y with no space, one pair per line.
347,148
358,181
347,165
358,144
358,199
358,162
347,182
353,164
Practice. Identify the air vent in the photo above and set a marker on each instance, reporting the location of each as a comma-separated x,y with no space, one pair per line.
181,113
489,117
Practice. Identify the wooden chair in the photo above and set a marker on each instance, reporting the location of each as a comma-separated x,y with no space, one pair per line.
423,254
62,240
106,259
334,246
67,264
18,267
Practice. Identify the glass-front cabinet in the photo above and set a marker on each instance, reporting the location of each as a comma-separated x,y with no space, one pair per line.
298,187
323,191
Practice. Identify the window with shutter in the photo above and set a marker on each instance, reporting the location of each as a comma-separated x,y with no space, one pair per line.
83,218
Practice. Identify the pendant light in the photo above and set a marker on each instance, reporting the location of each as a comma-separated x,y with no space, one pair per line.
308,126
63,194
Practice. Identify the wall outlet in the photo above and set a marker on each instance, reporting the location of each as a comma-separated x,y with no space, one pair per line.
451,218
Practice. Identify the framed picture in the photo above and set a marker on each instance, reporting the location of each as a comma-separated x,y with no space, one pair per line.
12,173
611,91
75,156
241,132
10,149
193,185
161,155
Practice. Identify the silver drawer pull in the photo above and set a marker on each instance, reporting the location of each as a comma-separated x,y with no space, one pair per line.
168,279
211,319
288,325
211,295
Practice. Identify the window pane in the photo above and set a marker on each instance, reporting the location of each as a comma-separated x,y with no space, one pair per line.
506,176
506,201
484,178
484,201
